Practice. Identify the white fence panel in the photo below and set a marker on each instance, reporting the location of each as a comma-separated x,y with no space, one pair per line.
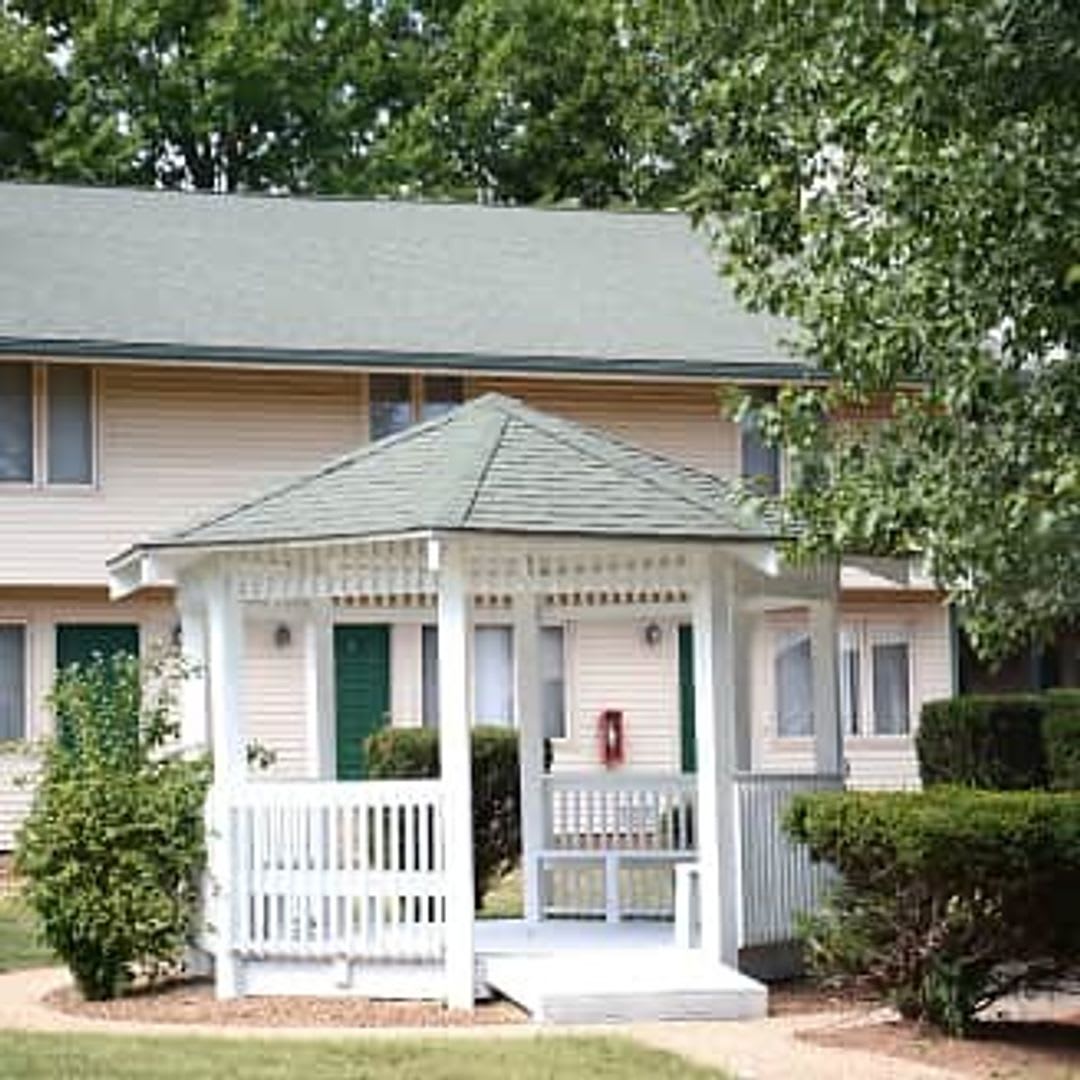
336,870
779,880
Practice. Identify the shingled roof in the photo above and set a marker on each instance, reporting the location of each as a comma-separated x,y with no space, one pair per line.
263,279
493,466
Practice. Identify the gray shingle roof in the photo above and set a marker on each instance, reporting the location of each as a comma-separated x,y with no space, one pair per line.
492,465
142,273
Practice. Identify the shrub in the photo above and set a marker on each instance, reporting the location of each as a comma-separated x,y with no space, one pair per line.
413,753
1061,737
950,898
114,843
983,741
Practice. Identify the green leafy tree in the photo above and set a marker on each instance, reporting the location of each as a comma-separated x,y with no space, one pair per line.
114,844
902,180
31,94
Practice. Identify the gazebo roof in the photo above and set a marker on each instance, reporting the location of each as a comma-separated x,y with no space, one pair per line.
491,466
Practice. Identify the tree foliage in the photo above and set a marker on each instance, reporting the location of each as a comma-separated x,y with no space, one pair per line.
901,181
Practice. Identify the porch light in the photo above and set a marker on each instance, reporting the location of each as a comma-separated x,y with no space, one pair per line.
653,634
282,636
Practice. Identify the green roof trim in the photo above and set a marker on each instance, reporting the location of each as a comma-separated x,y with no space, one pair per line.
492,465
247,356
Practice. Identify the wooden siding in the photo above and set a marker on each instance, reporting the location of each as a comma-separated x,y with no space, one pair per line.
173,445
274,695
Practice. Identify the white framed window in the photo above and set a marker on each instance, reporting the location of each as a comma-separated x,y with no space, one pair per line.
876,683
493,676
13,682
553,682
48,424
396,400
793,680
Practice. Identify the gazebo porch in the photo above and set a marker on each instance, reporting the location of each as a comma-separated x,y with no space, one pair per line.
366,887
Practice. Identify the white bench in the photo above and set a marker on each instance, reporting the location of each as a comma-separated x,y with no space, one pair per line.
612,859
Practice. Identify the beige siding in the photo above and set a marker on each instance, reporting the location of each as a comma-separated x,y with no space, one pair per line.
17,772
610,666
175,443
405,675
683,421
274,695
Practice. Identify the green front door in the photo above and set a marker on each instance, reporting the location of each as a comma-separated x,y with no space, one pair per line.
362,685
687,735
77,643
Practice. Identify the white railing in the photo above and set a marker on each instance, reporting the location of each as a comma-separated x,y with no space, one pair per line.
332,870
612,842
779,882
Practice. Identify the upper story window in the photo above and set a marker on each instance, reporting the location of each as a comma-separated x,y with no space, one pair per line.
760,462
46,424
398,400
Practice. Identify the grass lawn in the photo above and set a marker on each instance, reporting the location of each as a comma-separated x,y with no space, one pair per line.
109,1057
503,899
19,948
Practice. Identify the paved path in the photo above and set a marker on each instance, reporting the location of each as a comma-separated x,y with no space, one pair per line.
750,1049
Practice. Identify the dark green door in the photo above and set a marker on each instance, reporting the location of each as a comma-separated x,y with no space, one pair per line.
687,735
76,643
362,685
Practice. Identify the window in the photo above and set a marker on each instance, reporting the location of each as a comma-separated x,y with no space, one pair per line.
760,461
553,682
892,679
16,423
46,424
398,400
875,681
493,676
12,682
794,685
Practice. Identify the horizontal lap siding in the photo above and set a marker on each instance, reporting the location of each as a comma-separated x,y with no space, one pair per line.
611,667
173,445
274,693
683,421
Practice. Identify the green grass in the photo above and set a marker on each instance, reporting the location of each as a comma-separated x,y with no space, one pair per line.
109,1057
19,946
503,899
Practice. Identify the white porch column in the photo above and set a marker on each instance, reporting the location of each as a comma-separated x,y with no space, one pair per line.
715,721
319,690
828,736
455,751
194,707
527,696
225,649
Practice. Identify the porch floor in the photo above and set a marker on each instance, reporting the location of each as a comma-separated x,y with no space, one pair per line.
583,972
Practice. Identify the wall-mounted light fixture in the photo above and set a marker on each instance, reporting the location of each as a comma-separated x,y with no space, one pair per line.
282,636
653,633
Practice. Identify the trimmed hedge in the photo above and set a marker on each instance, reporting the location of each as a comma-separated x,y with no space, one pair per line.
413,754
1061,737
984,741
950,898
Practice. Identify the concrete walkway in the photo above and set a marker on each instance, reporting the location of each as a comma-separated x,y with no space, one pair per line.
750,1049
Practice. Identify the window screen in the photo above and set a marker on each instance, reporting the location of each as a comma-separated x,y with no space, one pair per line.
553,682
429,686
850,683
441,394
760,461
493,679
70,430
16,423
794,685
891,675
389,404
12,683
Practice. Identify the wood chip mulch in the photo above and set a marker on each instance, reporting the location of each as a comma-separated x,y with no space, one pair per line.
1047,1049
192,1001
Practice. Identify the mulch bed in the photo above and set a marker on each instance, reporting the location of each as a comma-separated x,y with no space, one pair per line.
795,997
192,1001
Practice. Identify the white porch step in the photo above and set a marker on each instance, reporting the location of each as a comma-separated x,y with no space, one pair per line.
594,974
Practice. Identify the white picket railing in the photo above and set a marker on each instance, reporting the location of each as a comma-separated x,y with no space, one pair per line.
779,881
351,870
612,842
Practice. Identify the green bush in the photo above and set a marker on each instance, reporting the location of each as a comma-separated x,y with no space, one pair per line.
949,898
413,753
114,844
1061,736
983,741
